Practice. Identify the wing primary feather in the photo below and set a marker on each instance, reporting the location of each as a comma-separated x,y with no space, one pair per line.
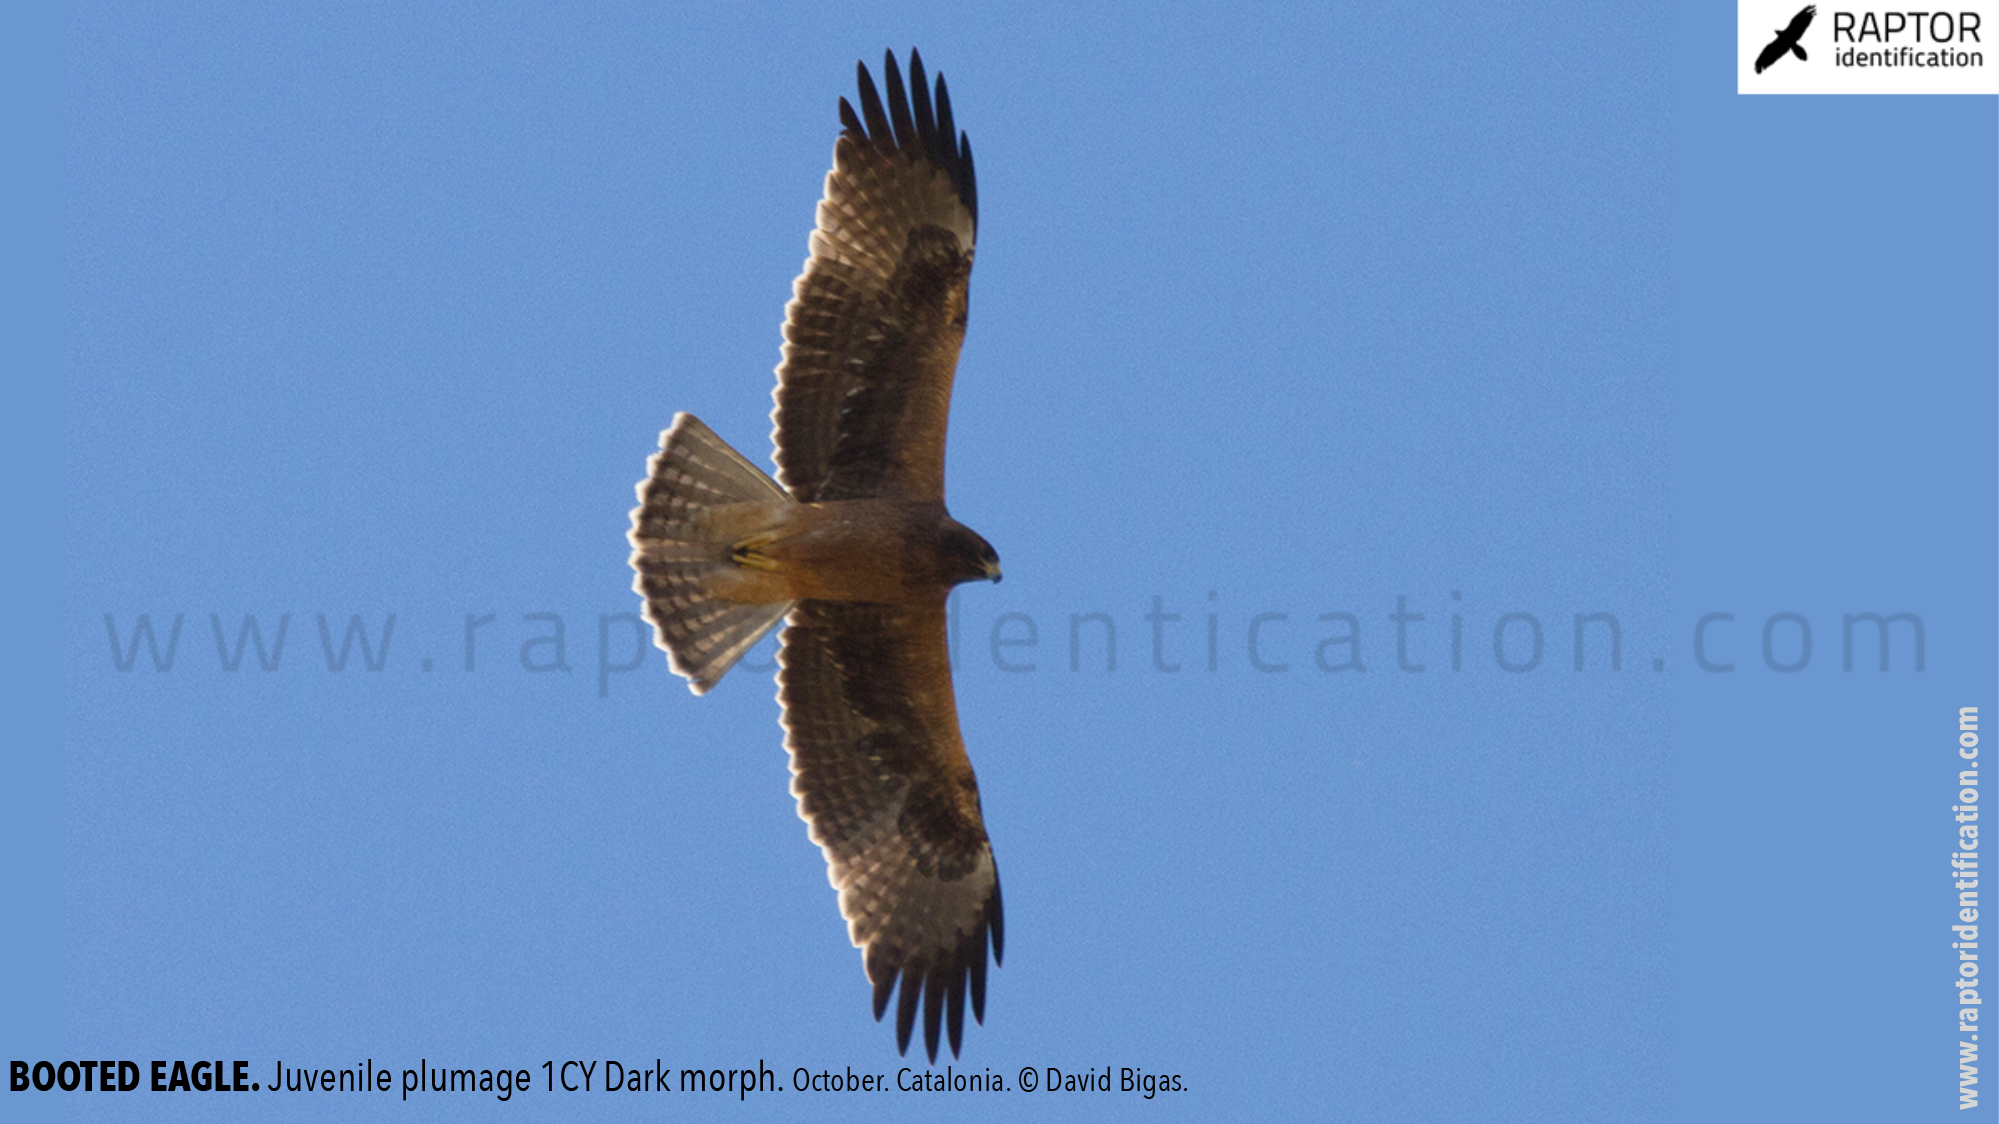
966,179
871,110
905,1008
978,981
946,127
959,163
926,119
933,1006
883,986
977,966
898,105
849,121
954,1009
996,919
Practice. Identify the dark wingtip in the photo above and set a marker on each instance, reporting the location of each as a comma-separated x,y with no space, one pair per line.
939,989
913,121
938,981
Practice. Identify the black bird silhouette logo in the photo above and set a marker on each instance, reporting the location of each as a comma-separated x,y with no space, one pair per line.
1787,40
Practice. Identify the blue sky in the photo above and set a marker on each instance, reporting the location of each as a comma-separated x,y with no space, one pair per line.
1335,336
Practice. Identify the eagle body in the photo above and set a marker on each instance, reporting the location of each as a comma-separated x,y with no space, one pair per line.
876,551
851,546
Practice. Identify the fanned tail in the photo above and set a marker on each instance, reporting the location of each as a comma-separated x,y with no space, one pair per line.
698,499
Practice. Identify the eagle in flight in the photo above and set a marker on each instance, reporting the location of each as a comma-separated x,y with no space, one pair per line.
1787,40
852,548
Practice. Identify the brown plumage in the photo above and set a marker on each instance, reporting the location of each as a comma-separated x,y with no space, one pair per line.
858,549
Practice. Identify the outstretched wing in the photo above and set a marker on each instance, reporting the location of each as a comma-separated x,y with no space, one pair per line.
871,335
1799,23
882,779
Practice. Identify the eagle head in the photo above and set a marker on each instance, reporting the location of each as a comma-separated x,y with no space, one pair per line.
965,555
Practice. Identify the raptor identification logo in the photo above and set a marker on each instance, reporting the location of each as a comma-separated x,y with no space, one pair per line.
1792,47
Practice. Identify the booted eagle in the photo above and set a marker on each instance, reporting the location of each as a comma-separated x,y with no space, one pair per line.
852,547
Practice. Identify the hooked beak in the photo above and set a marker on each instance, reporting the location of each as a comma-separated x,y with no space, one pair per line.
993,572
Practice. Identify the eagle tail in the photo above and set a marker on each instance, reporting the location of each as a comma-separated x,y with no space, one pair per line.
698,497
1798,49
